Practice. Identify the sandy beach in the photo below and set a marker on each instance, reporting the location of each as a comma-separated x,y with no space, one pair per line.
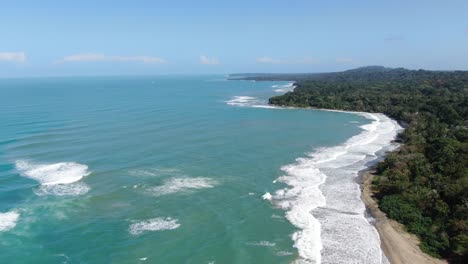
398,245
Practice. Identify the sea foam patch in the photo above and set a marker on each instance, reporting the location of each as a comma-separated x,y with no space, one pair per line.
283,88
249,101
262,243
266,196
8,220
283,253
182,184
155,224
56,178
243,101
72,189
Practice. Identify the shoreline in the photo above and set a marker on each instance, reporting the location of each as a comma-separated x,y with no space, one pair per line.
380,131
398,245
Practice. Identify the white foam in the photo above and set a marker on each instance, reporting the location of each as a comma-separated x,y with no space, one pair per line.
155,224
72,189
339,225
266,196
8,220
56,178
249,101
283,88
262,243
243,101
275,216
283,253
55,173
266,106
181,184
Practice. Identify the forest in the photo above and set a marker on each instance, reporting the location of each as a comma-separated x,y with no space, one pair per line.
423,184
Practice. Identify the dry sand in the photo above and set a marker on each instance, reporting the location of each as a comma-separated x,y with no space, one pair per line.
398,245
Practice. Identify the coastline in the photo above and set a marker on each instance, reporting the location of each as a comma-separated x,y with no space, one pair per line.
319,183
399,246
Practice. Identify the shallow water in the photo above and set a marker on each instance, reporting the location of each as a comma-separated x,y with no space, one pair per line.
168,169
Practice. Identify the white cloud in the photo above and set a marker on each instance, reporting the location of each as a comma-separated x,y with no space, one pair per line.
89,57
18,57
269,60
345,60
208,61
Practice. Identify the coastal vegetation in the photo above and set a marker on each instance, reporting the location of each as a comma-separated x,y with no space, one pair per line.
424,184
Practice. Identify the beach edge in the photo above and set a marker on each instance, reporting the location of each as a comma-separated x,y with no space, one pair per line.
399,246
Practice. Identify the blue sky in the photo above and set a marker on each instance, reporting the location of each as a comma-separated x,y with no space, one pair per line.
61,38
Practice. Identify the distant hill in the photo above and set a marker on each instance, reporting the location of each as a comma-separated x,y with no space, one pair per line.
363,73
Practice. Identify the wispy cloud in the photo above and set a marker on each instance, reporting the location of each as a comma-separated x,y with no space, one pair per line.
98,57
18,57
208,61
269,60
394,38
345,60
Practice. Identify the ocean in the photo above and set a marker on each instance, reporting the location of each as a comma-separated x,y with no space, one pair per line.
181,169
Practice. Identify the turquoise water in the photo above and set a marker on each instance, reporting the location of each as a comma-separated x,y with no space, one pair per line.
167,169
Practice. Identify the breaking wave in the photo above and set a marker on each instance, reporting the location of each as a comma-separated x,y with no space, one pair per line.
283,88
56,178
249,101
243,101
